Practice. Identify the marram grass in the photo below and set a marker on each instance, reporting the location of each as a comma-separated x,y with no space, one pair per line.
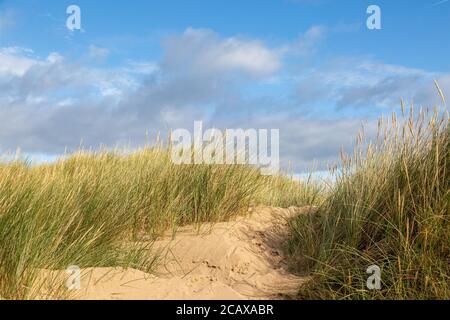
103,209
390,207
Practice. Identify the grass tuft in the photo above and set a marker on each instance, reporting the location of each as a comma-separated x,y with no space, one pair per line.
390,207
104,209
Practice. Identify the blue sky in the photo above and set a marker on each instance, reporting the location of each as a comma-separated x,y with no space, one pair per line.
308,67
412,27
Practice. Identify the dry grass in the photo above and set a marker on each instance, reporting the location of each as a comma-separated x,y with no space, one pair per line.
84,209
390,207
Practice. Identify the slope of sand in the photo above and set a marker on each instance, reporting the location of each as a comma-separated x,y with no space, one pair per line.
241,259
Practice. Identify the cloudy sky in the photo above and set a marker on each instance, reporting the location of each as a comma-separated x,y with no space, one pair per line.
310,68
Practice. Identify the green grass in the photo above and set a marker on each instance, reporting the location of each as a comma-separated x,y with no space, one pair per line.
94,209
390,207
283,191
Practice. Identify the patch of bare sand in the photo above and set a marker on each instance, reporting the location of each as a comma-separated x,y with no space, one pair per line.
241,259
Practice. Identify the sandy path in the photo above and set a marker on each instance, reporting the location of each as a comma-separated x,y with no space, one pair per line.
241,259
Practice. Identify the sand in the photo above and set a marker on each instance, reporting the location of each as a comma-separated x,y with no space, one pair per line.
241,259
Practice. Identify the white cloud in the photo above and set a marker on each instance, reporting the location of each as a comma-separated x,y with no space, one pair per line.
23,73
52,103
250,57
15,61
203,51
143,68
306,43
97,53
367,83
54,58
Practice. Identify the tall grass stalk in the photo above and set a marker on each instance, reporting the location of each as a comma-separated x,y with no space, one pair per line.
104,209
390,207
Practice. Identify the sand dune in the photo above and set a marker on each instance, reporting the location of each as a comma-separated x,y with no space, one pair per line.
241,259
